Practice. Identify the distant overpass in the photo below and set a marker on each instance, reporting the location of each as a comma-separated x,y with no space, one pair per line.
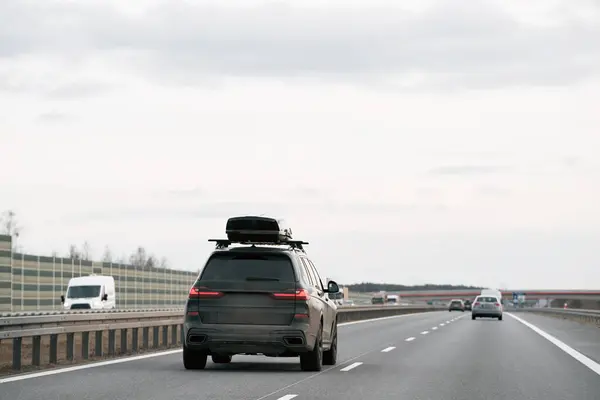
530,294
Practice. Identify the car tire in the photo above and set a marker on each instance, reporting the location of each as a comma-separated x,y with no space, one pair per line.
194,359
500,318
313,360
221,359
330,356
473,317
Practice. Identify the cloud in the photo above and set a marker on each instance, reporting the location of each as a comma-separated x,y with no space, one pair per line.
225,209
467,169
52,116
446,46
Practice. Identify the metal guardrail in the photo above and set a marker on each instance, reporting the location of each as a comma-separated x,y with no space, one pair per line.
127,325
84,311
129,310
581,315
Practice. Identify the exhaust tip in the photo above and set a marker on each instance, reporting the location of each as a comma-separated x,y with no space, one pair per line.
293,340
197,339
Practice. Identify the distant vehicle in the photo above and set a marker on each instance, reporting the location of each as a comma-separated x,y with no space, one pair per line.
456,304
262,297
393,299
492,292
487,306
379,298
94,292
468,305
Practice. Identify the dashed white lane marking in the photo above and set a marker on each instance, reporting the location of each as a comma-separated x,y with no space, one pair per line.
591,364
288,397
442,324
434,328
424,332
447,322
351,366
410,339
165,353
388,349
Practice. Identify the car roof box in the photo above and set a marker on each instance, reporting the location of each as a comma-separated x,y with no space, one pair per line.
249,229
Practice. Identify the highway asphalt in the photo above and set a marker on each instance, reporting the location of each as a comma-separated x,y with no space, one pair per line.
410,357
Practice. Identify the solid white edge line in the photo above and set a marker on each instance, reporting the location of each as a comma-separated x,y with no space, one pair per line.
388,349
288,397
22,377
409,339
588,362
351,366
86,366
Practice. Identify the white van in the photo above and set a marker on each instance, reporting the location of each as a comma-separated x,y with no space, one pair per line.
94,292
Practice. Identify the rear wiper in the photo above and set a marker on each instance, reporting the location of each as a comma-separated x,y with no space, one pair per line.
257,278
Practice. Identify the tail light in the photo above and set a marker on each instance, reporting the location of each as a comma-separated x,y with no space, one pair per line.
198,293
477,304
300,294
497,304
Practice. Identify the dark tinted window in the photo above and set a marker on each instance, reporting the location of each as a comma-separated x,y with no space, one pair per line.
78,292
487,300
247,267
310,271
306,274
316,273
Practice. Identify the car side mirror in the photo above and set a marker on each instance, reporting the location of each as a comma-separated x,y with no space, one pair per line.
332,287
62,298
105,297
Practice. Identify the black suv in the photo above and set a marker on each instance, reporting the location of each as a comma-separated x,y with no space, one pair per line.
468,305
263,297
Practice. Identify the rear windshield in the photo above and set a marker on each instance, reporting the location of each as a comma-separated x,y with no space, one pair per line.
248,267
487,299
456,302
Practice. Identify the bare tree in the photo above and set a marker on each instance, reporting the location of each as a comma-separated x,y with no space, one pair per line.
151,262
74,253
164,264
139,258
11,227
86,251
107,256
55,254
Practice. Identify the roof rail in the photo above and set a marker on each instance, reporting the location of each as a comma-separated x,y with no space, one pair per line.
293,244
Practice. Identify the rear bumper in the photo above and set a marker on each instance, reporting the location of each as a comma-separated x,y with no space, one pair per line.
456,309
245,339
486,313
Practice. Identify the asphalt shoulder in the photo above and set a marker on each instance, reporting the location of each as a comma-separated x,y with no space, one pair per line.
583,337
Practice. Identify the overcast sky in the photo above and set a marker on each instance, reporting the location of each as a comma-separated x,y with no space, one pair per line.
407,141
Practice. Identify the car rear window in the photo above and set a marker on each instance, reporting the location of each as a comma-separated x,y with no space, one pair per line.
248,267
487,299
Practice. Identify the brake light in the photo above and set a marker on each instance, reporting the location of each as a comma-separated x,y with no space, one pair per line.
497,304
197,293
300,294
477,304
